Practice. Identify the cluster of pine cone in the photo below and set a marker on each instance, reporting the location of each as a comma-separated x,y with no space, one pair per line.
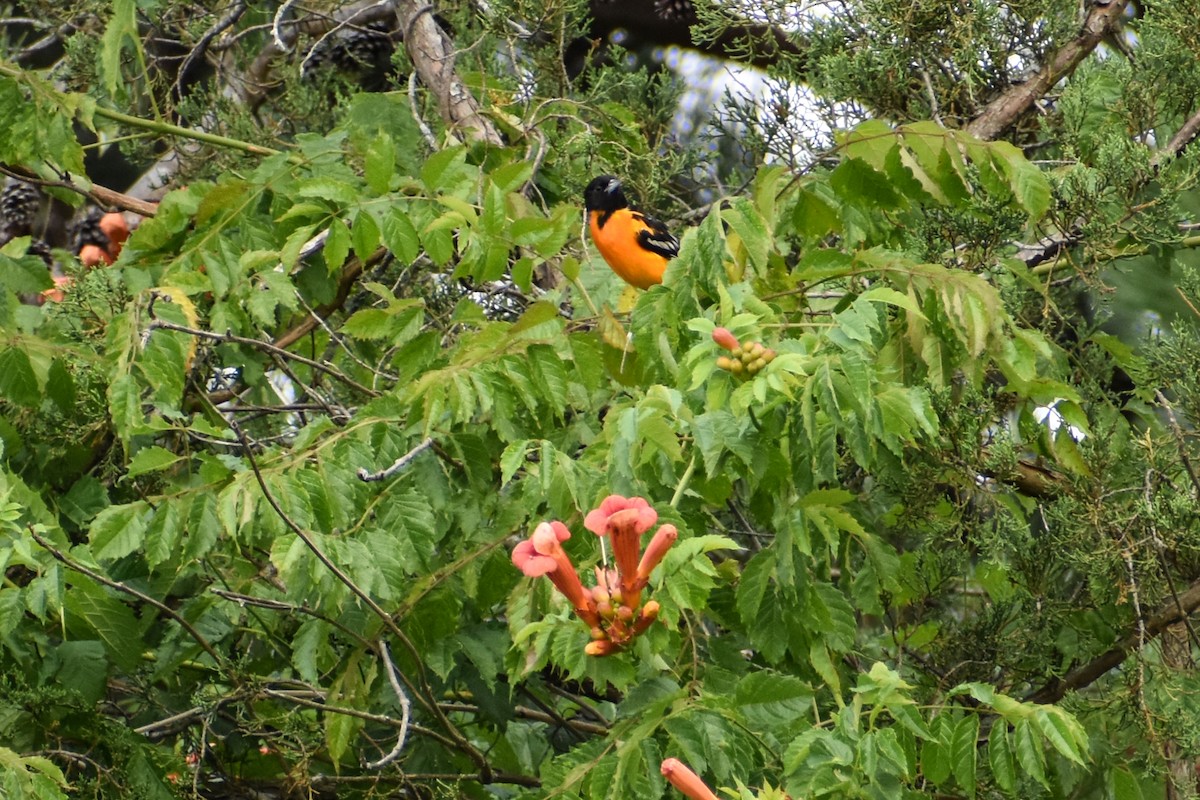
93,236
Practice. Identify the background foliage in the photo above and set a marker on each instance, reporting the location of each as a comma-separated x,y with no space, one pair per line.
944,545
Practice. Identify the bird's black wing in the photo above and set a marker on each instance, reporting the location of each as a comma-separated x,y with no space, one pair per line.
655,237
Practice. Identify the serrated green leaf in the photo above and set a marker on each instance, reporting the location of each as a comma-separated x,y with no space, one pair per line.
773,701
118,530
1063,732
364,235
1124,785
162,533
18,383
1029,185
337,245
379,163
1000,757
964,752
512,459
121,30
935,753
854,180
1028,747
744,218
400,235
108,618
60,387
151,459
333,190
440,169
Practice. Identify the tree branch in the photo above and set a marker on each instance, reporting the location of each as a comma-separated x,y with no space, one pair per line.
1101,21
428,700
275,350
1169,614
70,563
432,54
399,464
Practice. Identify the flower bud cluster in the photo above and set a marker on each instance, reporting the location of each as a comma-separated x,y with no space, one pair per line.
744,360
613,608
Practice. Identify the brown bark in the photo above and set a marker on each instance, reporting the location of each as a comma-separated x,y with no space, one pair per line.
1101,21
1181,770
432,54
1182,138
1174,611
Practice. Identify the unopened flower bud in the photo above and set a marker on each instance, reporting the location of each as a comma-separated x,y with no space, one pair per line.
724,338
663,538
601,647
685,780
724,362
624,613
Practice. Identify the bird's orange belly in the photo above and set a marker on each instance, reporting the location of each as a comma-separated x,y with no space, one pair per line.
633,264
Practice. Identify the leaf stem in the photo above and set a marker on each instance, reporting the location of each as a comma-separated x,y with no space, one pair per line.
684,480
157,126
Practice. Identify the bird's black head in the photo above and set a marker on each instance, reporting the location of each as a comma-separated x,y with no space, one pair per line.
604,194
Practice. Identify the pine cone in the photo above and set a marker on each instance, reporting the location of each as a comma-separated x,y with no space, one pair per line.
86,230
19,206
675,9
354,50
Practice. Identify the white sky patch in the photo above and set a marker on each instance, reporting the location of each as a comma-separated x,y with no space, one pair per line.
1050,416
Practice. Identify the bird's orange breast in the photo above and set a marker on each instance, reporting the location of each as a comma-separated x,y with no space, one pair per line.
617,241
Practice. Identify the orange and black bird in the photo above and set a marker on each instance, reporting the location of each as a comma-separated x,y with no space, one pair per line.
636,246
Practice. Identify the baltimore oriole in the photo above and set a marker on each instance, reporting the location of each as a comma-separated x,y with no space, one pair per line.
636,246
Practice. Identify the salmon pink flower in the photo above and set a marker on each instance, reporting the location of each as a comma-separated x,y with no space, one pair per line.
623,520
542,554
685,780
601,647
597,521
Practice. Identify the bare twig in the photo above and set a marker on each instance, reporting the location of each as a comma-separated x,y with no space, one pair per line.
1179,440
426,697
340,341
100,195
426,133
201,47
72,564
405,709
230,338
288,608
399,464
1182,138
1161,550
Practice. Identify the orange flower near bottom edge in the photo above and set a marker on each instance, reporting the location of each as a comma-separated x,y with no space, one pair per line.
685,780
